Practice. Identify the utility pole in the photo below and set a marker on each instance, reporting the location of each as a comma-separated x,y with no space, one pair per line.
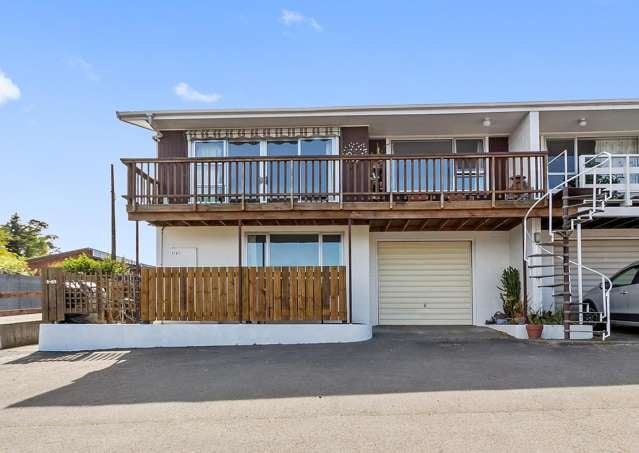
113,254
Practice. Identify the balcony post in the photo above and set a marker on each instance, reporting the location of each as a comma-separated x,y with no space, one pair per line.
291,182
441,182
195,197
244,185
390,182
493,196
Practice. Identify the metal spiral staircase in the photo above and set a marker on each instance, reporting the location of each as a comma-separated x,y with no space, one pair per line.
549,261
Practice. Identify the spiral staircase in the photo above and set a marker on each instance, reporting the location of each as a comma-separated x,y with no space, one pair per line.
552,256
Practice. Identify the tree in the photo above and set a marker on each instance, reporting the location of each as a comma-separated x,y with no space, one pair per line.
10,262
28,239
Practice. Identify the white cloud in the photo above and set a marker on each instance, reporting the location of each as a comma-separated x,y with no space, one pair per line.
9,91
187,93
290,18
84,67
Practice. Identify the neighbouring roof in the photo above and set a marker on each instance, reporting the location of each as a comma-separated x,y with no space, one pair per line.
88,251
556,116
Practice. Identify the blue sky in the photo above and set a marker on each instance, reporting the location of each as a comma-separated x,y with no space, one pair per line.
66,67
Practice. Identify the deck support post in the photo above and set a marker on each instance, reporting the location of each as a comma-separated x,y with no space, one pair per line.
350,272
525,275
239,263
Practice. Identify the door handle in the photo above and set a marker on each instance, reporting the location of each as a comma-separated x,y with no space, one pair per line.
623,291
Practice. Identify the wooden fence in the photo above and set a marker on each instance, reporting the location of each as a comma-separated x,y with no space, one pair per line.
103,297
233,294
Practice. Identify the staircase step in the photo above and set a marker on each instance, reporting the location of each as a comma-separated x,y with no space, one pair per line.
561,294
554,285
535,266
537,255
547,276
548,244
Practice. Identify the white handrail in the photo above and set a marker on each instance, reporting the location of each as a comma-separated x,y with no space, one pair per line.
605,288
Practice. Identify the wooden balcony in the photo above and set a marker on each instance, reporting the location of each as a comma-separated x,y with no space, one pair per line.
215,191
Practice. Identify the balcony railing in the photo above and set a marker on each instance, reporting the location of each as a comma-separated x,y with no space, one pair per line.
623,177
335,179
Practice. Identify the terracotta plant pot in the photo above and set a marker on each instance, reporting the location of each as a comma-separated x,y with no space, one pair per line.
534,331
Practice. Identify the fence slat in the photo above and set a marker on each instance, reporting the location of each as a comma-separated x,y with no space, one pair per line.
215,294
293,293
190,295
333,294
308,277
144,295
342,294
152,285
326,294
301,294
277,294
317,294
60,296
222,282
268,294
232,296
246,313
286,294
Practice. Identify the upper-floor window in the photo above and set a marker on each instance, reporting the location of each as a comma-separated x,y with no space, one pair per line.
256,148
438,146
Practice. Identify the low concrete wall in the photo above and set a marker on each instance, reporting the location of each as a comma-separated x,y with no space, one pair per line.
19,330
550,332
83,337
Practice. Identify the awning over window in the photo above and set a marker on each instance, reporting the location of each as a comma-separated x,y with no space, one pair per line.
262,133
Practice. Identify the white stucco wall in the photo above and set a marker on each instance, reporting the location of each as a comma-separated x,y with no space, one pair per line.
491,253
525,137
218,246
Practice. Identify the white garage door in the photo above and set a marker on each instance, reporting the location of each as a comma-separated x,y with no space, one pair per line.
605,255
425,283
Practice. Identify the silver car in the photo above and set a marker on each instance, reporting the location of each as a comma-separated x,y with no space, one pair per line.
624,296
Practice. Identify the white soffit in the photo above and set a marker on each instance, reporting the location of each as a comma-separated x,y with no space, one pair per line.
399,119
597,121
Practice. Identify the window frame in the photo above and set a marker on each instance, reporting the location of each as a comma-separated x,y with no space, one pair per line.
263,145
482,172
320,241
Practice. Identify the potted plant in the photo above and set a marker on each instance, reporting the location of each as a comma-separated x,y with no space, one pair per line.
535,325
510,293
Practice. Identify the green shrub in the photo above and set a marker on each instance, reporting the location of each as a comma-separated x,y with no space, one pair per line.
510,291
545,317
89,265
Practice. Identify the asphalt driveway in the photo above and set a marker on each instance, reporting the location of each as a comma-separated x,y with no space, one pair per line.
407,389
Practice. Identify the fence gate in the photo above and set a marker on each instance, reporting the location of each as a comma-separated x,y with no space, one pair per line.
108,297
